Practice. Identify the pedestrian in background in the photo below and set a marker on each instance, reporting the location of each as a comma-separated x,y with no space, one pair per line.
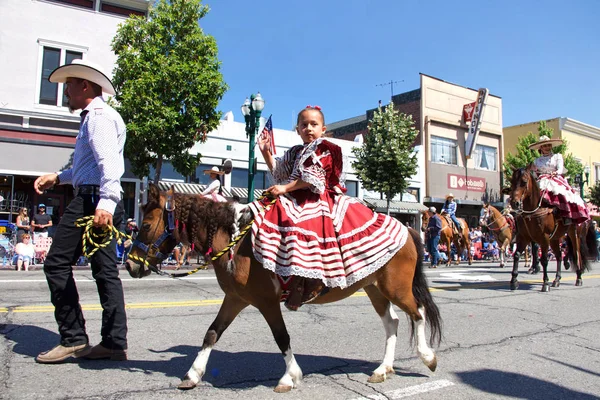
23,224
98,165
41,222
434,227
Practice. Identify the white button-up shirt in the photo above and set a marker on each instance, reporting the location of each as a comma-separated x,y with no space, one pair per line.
98,158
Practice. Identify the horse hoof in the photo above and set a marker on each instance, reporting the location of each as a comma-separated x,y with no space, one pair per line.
433,364
567,265
501,265
378,377
555,283
282,388
579,282
186,384
514,285
470,262
545,288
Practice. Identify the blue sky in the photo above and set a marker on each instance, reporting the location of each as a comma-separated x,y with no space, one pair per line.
542,58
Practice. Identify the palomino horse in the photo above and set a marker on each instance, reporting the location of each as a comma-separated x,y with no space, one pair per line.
498,225
170,218
537,223
447,236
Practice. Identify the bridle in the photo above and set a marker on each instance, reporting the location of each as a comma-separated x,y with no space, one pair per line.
153,250
520,209
491,222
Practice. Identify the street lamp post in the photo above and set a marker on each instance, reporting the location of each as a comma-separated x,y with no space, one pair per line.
251,109
582,182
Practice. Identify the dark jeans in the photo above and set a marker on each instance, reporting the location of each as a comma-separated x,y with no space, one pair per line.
64,252
432,244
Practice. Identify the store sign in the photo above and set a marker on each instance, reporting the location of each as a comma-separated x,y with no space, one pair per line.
476,120
461,182
468,111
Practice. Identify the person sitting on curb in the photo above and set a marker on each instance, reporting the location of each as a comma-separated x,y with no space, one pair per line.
24,253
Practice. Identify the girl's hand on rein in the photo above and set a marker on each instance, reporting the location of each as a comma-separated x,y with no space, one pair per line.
277,190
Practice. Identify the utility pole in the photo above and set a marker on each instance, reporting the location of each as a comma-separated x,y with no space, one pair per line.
391,83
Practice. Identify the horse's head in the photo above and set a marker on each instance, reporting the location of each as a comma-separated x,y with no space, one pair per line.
155,239
523,186
485,215
424,220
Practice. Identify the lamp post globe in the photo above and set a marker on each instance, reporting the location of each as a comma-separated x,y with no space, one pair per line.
251,110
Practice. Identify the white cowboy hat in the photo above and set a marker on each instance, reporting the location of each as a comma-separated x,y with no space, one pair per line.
84,70
449,195
214,170
545,140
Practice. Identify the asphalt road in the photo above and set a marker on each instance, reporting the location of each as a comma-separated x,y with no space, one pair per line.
497,343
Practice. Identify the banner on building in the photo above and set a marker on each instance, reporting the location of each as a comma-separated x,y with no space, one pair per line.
476,120
462,182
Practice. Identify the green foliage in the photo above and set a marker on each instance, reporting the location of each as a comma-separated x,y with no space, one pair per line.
387,159
168,85
594,194
524,156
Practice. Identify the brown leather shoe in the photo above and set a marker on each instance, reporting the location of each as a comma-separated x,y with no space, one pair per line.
61,353
99,352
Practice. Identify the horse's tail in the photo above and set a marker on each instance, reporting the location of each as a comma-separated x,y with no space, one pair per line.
590,241
583,252
421,293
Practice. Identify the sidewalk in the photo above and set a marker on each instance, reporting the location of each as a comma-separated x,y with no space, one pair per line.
40,267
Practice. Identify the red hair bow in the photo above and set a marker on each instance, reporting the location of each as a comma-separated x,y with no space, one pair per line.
314,107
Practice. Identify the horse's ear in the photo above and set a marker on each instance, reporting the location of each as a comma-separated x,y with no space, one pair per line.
171,191
505,190
153,193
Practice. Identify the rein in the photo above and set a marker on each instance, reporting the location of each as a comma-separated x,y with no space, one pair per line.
495,221
168,232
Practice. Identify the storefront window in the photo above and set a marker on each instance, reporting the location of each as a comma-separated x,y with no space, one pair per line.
129,199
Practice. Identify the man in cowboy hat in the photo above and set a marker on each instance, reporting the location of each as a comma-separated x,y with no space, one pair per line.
98,165
450,209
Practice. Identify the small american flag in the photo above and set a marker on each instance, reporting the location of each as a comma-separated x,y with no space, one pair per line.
268,131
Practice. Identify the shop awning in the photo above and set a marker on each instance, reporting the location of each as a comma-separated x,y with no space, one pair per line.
195,188
395,206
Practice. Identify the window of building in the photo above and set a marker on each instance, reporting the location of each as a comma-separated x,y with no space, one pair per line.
78,3
485,157
107,7
52,56
597,172
352,188
239,178
443,150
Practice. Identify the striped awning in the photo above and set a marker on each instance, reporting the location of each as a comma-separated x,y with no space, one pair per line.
195,188
396,206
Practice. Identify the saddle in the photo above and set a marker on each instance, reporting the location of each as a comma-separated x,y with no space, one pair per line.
455,231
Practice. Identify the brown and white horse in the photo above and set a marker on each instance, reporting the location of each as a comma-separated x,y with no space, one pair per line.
171,218
447,236
537,223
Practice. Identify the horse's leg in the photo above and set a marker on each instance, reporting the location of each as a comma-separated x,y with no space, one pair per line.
271,311
527,259
544,261
400,293
514,282
230,308
384,309
577,255
555,244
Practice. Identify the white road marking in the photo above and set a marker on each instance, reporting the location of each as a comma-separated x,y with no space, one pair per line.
466,277
86,280
409,391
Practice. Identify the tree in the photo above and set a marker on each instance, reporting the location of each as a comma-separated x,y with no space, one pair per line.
594,194
524,156
168,85
387,159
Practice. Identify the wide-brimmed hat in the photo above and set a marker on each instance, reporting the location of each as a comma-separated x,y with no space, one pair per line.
545,140
83,69
449,195
214,170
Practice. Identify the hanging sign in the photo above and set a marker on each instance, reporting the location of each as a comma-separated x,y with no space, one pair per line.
476,122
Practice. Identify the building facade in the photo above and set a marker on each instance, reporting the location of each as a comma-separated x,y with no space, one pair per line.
37,132
437,109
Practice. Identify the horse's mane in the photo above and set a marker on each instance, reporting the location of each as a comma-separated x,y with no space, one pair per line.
195,212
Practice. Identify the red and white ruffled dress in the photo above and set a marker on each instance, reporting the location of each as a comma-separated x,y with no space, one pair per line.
212,192
319,232
556,191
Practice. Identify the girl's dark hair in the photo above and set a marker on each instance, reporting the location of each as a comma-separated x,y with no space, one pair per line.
308,108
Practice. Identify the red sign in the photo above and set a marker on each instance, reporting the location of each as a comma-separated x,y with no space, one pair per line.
470,183
468,110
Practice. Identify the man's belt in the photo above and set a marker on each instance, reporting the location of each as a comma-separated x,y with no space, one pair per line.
93,190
